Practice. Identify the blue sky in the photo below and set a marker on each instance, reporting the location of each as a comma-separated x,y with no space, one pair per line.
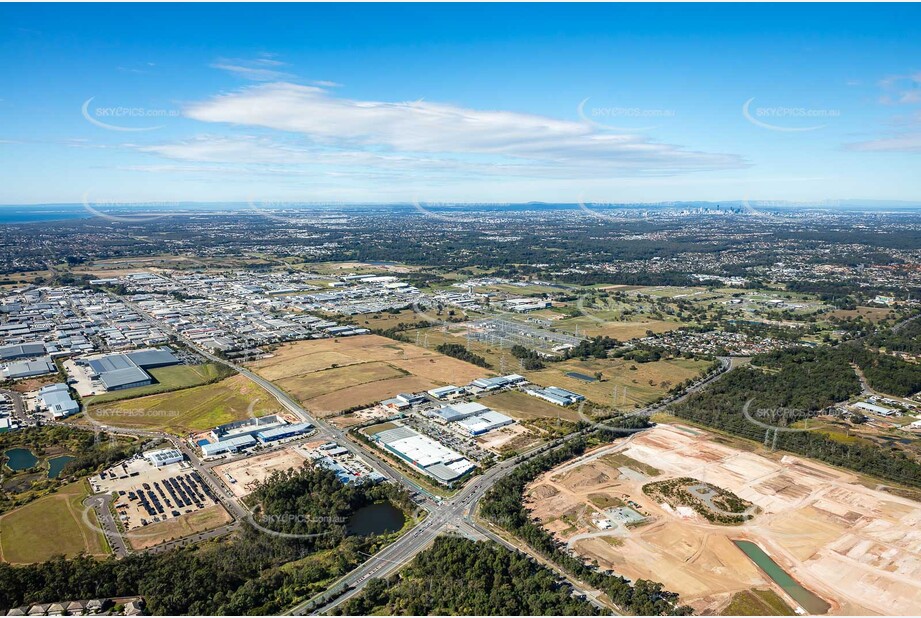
459,103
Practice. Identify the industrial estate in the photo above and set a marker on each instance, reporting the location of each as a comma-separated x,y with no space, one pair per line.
251,365
196,408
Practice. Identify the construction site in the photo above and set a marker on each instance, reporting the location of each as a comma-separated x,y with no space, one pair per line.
825,540
243,476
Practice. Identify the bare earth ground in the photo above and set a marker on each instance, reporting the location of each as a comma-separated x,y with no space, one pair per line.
855,546
248,473
331,375
511,438
178,527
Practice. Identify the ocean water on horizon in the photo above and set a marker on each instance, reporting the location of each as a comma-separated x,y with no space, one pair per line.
38,213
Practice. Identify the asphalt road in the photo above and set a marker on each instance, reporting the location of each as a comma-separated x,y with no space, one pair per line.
19,410
114,538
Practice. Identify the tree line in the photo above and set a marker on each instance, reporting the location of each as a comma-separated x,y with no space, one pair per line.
803,380
460,577
459,352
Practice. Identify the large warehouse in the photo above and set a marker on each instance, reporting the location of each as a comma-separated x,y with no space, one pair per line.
22,350
479,424
128,369
283,432
559,396
28,368
231,445
232,437
425,454
248,427
458,411
491,384
56,398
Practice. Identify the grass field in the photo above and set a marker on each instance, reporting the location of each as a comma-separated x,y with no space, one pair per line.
619,460
310,385
191,409
624,383
757,603
331,375
622,331
871,314
605,501
494,356
385,320
50,526
169,379
647,382
524,407
333,403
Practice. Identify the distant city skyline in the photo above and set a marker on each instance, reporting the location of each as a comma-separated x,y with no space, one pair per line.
460,103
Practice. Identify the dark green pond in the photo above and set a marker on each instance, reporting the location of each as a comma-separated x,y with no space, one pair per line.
56,464
581,376
20,459
379,518
808,601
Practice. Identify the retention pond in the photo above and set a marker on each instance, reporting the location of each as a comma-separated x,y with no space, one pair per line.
807,600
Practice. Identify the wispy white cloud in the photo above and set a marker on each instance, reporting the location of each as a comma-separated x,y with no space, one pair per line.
323,83
141,70
901,89
264,68
900,143
905,133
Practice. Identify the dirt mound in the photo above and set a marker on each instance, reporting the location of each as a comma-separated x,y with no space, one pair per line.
542,492
588,476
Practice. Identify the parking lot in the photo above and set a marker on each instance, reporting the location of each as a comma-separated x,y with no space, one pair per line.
146,495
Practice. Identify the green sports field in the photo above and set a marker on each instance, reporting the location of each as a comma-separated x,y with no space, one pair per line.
50,526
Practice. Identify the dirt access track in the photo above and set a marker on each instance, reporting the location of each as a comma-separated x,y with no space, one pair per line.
855,546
